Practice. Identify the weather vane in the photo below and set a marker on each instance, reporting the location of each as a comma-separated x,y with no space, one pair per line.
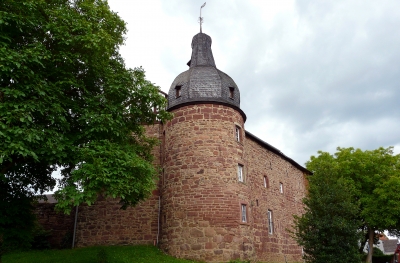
200,18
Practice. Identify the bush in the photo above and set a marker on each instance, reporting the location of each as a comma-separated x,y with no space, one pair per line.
40,238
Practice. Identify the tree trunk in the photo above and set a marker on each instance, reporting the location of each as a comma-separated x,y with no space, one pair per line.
371,235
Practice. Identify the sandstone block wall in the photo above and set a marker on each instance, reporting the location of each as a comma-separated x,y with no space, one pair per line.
262,163
104,223
201,197
201,194
60,226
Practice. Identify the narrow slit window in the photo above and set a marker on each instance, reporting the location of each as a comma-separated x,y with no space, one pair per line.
237,133
231,93
281,188
240,173
270,222
244,213
178,91
265,182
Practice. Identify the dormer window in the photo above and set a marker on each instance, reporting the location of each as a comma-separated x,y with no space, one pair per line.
231,93
178,91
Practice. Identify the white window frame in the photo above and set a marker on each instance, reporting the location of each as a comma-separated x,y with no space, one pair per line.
237,133
270,222
240,173
243,213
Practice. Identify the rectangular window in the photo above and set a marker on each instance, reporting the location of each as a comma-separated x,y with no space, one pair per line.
178,91
244,213
270,222
240,173
237,133
281,188
265,182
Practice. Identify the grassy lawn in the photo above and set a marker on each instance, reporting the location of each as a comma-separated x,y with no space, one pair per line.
113,254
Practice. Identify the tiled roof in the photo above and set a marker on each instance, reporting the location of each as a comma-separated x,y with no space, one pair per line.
390,245
50,199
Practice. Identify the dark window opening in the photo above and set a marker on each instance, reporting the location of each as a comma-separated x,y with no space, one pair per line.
178,91
231,92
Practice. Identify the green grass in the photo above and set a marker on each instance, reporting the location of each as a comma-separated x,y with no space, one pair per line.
108,254
105,254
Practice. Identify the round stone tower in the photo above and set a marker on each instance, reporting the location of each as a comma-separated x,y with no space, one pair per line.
204,192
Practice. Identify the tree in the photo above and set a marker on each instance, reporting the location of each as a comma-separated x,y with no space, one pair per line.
328,229
374,179
67,100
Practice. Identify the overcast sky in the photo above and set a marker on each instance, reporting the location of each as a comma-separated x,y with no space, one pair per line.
313,75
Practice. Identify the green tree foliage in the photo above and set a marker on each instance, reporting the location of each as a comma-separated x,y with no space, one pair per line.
67,100
373,178
328,230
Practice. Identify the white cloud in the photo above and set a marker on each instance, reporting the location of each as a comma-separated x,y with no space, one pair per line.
313,75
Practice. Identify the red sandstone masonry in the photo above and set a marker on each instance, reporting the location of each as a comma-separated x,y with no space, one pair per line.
261,162
201,196
59,225
201,193
104,223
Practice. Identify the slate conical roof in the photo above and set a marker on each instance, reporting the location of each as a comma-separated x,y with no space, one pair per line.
203,82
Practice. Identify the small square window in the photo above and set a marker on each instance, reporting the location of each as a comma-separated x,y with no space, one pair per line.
178,91
231,93
244,213
240,173
270,222
237,133
281,188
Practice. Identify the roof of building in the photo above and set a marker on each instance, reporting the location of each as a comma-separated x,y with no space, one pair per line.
50,199
390,245
276,151
203,82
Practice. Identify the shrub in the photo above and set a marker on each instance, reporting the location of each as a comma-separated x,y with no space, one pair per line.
40,238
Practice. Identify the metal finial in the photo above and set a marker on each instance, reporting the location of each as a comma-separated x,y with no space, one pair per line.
200,18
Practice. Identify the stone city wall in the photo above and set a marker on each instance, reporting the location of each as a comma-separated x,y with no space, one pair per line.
277,246
104,223
60,226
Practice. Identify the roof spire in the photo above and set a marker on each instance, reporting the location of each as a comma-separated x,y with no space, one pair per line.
200,18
